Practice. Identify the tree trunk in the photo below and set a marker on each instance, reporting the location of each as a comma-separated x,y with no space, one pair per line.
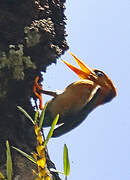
32,36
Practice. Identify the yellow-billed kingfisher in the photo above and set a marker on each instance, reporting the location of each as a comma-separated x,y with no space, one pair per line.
78,99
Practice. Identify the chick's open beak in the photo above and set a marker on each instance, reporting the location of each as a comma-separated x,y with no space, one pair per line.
84,72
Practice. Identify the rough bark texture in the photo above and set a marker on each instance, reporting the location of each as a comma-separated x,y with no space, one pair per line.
32,36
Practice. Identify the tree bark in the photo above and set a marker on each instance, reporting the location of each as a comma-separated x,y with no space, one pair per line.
32,36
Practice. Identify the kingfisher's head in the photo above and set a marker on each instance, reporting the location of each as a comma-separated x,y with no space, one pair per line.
108,90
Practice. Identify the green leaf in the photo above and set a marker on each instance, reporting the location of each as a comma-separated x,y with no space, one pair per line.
8,162
66,161
51,130
26,114
36,116
42,116
25,154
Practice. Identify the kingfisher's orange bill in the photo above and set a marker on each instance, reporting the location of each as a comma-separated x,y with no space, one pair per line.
84,72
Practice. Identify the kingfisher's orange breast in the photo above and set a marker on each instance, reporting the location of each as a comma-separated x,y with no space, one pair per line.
73,99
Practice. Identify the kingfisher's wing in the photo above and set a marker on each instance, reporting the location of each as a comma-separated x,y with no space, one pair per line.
75,119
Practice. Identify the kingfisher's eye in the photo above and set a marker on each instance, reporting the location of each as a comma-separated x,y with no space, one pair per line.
99,73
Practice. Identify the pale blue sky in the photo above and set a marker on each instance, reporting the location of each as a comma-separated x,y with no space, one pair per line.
99,34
